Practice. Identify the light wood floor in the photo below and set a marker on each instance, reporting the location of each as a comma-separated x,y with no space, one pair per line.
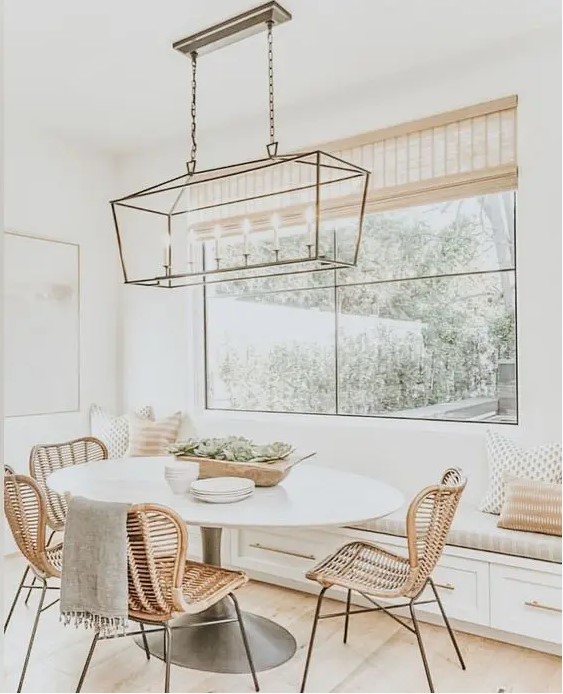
380,655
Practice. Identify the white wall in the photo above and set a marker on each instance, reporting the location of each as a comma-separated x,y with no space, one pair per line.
162,341
56,192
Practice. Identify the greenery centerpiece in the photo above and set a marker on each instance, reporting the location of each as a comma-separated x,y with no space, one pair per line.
234,449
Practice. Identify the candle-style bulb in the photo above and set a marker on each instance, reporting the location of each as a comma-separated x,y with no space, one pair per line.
246,227
217,234
190,250
276,227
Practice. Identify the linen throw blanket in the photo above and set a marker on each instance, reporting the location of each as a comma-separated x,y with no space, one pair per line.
94,574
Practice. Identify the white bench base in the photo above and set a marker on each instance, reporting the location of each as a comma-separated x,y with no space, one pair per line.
507,598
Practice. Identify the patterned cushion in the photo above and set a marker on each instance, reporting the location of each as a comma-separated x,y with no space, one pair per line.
531,506
152,438
114,431
473,529
541,463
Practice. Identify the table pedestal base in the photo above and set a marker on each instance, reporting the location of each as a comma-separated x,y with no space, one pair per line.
219,647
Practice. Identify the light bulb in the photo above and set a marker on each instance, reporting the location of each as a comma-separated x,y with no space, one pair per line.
246,227
276,226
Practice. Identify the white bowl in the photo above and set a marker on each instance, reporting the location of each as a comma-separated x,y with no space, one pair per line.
179,486
180,476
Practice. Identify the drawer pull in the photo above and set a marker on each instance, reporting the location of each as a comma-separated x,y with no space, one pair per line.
257,545
541,606
445,586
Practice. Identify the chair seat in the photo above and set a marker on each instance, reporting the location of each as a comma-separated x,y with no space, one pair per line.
365,568
204,585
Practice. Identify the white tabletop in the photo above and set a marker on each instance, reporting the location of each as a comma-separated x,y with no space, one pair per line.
311,495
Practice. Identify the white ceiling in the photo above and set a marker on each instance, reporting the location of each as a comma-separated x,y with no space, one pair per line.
102,72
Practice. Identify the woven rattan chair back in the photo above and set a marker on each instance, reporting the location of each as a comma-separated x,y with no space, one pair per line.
157,540
429,519
25,509
47,458
9,470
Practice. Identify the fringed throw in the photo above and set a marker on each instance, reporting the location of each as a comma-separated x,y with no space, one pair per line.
105,626
94,592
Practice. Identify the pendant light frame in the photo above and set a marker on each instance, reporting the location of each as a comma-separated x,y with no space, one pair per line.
303,181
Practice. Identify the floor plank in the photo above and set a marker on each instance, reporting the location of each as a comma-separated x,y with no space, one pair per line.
380,656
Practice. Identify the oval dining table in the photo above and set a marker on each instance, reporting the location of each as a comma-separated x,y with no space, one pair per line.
311,496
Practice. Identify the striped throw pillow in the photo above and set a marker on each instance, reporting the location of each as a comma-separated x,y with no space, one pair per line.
152,438
531,506
542,463
114,431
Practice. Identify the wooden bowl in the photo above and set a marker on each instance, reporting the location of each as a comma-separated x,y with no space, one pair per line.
263,474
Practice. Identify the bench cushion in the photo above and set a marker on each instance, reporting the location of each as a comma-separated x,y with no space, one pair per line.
474,529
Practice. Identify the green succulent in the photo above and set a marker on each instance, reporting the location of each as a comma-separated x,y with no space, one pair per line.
236,449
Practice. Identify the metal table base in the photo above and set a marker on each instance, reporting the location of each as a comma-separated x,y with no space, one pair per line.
216,645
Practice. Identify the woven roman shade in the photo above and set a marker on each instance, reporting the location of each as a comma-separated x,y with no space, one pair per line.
469,151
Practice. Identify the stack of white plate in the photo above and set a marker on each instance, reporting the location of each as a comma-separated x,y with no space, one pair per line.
222,490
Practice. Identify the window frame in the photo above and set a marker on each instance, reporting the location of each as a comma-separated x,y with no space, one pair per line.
205,400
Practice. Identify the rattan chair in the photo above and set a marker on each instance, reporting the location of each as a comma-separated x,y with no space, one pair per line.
25,509
46,458
371,571
163,584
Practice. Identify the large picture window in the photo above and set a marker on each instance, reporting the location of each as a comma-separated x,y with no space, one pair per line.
423,328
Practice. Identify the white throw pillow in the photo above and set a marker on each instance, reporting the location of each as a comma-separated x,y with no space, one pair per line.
114,431
147,438
541,463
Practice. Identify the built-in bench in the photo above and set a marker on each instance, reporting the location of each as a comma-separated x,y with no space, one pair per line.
474,529
498,583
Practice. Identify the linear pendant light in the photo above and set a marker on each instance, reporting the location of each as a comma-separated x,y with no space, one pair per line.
257,218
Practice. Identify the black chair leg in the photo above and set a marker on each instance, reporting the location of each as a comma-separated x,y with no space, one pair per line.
421,646
347,618
168,655
312,639
30,591
33,632
87,663
15,600
448,627
245,642
145,642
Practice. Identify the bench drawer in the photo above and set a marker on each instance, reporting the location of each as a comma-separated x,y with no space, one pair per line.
462,584
289,554
527,602
463,587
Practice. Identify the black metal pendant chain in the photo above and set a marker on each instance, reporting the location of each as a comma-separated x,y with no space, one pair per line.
193,153
272,147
